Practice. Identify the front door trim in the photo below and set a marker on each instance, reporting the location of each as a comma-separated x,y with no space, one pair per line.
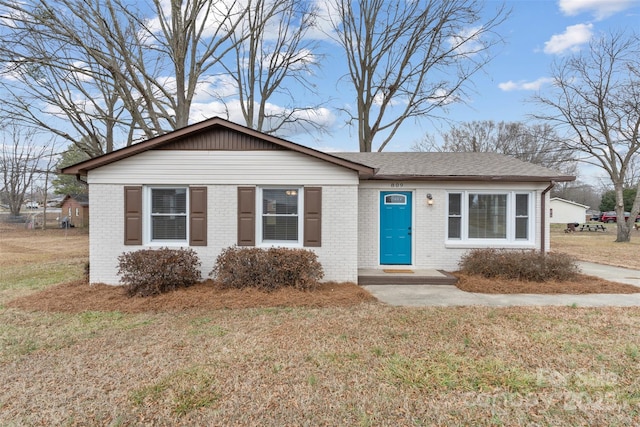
395,240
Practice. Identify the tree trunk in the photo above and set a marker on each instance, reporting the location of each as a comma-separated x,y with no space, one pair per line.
624,230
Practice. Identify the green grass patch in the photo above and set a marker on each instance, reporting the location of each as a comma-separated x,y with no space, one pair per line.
39,276
312,380
341,358
99,317
453,372
184,391
23,333
17,281
202,326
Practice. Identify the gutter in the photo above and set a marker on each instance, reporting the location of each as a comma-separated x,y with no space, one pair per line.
543,213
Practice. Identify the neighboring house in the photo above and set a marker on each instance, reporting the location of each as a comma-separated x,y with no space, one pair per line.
215,184
565,211
75,207
593,215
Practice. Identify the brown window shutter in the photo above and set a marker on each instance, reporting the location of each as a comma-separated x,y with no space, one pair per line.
198,216
246,216
313,216
132,215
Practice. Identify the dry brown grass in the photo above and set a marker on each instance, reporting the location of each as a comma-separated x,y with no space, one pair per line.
582,284
76,297
364,364
599,247
22,247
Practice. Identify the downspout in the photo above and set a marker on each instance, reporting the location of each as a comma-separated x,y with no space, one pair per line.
543,213
79,179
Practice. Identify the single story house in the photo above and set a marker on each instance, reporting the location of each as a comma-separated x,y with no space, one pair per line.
75,208
565,211
215,184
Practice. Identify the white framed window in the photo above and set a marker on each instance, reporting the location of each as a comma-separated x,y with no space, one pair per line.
395,199
167,214
489,216
279,219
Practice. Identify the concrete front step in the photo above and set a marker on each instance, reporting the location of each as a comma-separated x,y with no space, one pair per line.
368,277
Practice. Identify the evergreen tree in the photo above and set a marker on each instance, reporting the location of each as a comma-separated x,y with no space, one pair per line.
67,184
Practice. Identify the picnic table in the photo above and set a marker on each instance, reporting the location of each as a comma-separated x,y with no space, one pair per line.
593,227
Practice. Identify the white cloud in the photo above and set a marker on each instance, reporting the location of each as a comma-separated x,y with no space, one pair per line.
219,15
600,9
443,96
219,87
467,42
524,85
326,14
231,111
9,74
573,37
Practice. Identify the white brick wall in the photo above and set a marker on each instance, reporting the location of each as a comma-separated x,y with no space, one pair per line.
429,222
106,233
338,253
350,225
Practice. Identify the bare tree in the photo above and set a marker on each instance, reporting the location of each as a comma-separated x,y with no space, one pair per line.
21,155
409,59
536,143
274,54
596,97
110,69
69,102
49,168
579,192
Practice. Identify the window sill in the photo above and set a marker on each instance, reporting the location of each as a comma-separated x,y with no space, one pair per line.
167,243
282,244
466,244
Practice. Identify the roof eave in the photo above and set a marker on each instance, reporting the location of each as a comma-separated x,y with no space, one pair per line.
84,167
486,178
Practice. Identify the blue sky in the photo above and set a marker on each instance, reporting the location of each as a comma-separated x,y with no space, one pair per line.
536,33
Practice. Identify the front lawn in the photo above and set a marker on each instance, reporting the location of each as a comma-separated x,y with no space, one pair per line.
363,364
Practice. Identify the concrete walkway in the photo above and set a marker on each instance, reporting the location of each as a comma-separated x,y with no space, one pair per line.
448,295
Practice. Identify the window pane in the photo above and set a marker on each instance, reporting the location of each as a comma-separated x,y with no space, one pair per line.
169,227
280,228
280,201
454,227
522,205
169,200
487,216
522,216
455,204
280,214
395,199
522,228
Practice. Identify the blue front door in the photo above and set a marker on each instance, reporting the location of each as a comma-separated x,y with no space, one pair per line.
395,227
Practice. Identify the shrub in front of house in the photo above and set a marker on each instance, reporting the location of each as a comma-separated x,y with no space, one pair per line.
519,265
155,271
267,269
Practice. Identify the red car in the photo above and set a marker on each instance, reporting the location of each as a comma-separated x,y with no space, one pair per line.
611,216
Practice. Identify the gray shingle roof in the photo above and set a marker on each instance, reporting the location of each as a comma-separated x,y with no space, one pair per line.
453,166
